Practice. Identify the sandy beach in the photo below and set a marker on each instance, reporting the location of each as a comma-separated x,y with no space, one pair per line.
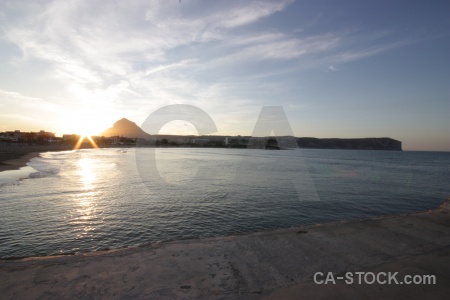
267,265
13,157
15,161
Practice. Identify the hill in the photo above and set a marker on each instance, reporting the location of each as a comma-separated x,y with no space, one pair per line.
125,128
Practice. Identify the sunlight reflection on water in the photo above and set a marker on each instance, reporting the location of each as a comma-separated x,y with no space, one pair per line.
87,172
94,199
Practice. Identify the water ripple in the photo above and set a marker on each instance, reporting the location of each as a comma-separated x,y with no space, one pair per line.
94,199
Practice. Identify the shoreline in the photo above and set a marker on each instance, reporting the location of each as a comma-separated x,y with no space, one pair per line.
278,264
18,161
14,158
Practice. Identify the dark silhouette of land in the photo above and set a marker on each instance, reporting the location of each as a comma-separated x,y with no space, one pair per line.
127,129
125,133
357,144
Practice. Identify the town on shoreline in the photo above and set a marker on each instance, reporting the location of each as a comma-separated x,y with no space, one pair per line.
16,140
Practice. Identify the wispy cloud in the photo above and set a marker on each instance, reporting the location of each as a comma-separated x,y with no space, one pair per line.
332,68
9,98
248,13
95,45
25,110
268,47
116,56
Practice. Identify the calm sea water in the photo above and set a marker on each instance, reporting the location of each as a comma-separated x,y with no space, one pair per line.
96,199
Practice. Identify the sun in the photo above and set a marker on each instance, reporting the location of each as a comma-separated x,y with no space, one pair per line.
82,139
86,124
88,129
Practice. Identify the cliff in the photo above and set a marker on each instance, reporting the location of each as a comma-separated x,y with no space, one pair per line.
128,129
357,144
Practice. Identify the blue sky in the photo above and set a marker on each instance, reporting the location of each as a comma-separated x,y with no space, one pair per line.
339,68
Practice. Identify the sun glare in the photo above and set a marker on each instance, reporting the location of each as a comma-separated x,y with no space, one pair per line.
82,139
86,124
88,128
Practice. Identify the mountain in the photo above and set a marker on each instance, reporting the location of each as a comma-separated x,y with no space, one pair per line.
125,128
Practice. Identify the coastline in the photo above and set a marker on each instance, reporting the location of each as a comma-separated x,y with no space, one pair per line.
278,264
15,157
15,161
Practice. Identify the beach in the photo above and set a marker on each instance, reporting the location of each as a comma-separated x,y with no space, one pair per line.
278,264
14,157
14,161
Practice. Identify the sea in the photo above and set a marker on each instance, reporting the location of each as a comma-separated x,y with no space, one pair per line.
97,199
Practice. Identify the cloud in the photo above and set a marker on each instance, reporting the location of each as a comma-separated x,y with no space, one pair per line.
25,112
27,104
249,13
332,68
268,47
84,39
14,96
133,57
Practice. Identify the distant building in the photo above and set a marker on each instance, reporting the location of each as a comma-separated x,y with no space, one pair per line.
10,136
180,140
199,141
45,136
70,137
115,140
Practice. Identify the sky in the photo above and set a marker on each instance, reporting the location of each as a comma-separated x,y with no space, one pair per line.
341,69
